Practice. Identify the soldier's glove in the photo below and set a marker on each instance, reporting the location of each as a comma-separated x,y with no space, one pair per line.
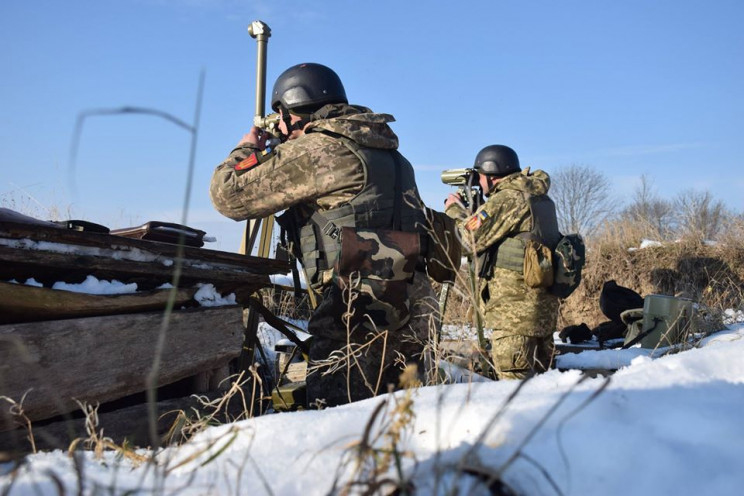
576,333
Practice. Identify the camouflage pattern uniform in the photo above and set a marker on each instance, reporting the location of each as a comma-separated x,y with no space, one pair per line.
522,318
322,170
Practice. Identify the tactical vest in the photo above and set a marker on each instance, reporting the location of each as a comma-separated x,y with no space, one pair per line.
371,208
509,254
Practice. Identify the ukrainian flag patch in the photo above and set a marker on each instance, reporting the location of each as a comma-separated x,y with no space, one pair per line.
476,221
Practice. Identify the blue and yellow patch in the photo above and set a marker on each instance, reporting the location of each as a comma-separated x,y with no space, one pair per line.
476,220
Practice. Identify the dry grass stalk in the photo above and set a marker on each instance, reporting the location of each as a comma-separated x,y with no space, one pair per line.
211,412
96,441
18,415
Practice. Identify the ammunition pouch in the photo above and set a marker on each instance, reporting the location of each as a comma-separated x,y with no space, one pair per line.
320,238
528,257
378,264
441,247
538,265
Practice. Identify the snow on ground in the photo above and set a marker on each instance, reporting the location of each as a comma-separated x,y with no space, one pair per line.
665,425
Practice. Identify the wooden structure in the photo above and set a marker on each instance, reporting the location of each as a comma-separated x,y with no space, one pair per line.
59,348
56,363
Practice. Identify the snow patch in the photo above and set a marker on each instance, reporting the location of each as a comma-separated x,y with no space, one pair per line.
207,296
92,285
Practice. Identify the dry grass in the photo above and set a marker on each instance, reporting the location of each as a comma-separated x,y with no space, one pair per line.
712,274
17,413
284,303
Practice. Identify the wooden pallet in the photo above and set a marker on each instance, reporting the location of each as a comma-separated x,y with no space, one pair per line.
59,348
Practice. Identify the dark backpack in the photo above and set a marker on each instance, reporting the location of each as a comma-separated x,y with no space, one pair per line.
569,257
615,299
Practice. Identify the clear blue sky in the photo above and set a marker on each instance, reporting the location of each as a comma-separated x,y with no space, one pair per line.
628,88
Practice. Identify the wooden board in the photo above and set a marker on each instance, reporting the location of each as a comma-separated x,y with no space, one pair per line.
19,303
50,254
99,359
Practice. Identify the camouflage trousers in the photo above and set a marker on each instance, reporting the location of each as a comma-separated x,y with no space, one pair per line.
523,320
518,357
353,364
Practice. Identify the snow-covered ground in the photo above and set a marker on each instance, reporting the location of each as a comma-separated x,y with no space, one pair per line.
664,425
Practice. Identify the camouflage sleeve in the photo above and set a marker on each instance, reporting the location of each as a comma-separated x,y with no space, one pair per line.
456,212
225,197
503,215
245,186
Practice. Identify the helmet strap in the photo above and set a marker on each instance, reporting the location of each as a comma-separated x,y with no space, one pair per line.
304,121
296,126
300,125
287,121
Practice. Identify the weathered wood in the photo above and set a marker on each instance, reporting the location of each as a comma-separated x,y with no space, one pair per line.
47,253
48,267
99,359
10,230
20,303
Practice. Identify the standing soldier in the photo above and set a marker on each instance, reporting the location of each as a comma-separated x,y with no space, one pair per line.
517,209
338,167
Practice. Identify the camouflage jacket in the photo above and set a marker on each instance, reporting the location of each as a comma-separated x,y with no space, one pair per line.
315,169
505,214
321,171
507,305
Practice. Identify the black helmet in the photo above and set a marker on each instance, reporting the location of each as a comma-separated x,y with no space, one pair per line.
497,160
307,87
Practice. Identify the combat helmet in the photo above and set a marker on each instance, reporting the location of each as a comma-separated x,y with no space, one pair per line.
497,160
304,88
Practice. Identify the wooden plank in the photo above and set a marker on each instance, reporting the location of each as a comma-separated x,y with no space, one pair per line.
49,253
19,303
99,359
49,267
13,231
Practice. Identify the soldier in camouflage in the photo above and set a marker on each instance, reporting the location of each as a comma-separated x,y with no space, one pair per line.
338,168
517,208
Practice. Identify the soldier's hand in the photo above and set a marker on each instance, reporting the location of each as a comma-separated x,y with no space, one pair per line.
455,199
256,138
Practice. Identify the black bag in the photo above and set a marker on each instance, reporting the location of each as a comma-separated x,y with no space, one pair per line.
569,257
615,299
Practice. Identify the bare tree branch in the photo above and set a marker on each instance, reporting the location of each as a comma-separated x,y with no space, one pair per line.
654,216
583,199
698,215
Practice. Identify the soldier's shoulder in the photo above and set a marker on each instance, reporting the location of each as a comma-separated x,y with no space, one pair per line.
318,140
505,197
312,145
